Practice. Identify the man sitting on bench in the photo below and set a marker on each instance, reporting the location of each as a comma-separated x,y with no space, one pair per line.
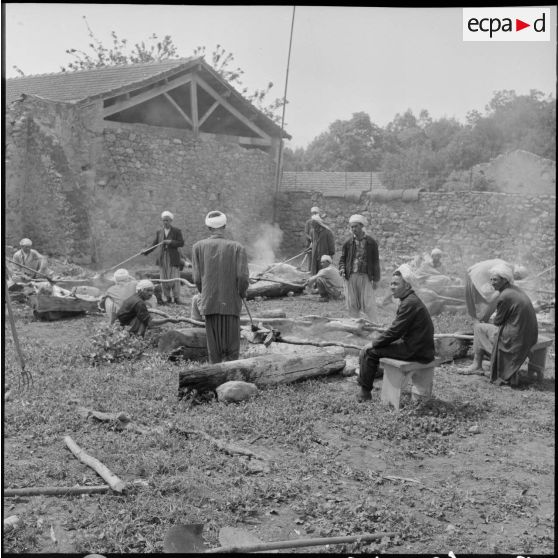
514,331
410,337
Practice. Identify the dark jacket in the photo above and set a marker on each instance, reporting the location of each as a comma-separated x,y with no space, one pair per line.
372,258
175,235
413,325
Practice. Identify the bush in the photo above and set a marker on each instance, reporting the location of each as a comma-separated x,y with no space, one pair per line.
113,343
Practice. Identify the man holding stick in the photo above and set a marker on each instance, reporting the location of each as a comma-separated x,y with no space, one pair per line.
220,272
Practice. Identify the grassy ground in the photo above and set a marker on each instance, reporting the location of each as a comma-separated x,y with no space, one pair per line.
487,489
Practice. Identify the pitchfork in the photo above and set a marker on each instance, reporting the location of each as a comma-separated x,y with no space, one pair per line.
26,377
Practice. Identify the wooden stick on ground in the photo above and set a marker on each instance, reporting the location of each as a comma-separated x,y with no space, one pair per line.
113,481
63,490
298,543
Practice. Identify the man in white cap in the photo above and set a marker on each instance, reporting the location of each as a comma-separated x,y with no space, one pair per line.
124,287
328,281
513,332
308,230
323,243
168,260
410,337
134,311
359,265
30,258
220,272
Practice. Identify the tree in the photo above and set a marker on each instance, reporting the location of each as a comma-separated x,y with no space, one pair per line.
348,145
154,49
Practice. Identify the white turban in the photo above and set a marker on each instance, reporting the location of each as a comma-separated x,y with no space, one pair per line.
121,275
406,273
357,219
167,214
520,271
215,219
326,258
436,251
143,285
503,271
315,210
25,242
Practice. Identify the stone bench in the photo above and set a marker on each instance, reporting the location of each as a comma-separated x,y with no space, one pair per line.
398,373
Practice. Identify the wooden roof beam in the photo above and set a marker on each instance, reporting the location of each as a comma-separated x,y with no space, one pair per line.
177,107
208,113
231,109
145,96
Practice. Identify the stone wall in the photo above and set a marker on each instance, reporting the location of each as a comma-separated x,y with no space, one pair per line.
93,191
467,226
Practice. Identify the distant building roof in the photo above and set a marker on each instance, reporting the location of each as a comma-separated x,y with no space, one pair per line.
107,81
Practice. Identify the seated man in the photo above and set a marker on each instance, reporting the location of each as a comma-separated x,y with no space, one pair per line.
327,281
32,260
125,287
480,296
195,310
134,312
514,331
410,337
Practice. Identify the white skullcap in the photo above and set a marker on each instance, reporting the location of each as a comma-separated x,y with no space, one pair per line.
315,209
436,251
143,285
215,219
326,258
167,214
121,275
503,271
406,273
357,219
318,219
25,242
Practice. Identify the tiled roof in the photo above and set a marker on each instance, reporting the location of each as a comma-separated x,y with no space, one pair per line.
331,182
112,80
84,84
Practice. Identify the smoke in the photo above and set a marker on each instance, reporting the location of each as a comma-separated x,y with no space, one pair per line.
264,248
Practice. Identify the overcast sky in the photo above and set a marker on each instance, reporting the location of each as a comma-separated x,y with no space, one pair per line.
382,61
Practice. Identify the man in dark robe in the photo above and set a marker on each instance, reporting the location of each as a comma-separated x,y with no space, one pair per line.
410,337
323,243
220,272
514,331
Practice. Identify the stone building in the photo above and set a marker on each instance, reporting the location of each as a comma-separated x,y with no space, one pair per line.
92,158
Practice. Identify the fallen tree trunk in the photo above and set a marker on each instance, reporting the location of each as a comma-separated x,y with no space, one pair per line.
262,370
190,343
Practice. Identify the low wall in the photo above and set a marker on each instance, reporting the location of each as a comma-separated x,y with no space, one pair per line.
467,226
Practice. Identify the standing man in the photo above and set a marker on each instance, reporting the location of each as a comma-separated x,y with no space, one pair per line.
409,337
308,228
514,331
220,272
359,265
169,257
30,258
323,243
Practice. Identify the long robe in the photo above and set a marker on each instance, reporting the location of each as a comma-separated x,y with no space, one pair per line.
323,244
517,333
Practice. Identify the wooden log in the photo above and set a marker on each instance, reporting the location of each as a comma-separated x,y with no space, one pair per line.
113,481
263,370
190,343
297,341
64,490
42,303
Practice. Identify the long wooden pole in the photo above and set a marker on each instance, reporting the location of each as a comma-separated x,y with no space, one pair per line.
276,545
280,151
14,332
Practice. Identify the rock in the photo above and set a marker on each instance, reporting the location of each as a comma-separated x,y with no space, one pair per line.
235,390
475,429
450,528
349,370
11,522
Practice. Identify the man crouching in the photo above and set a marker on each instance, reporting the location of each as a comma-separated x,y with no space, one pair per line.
410,337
